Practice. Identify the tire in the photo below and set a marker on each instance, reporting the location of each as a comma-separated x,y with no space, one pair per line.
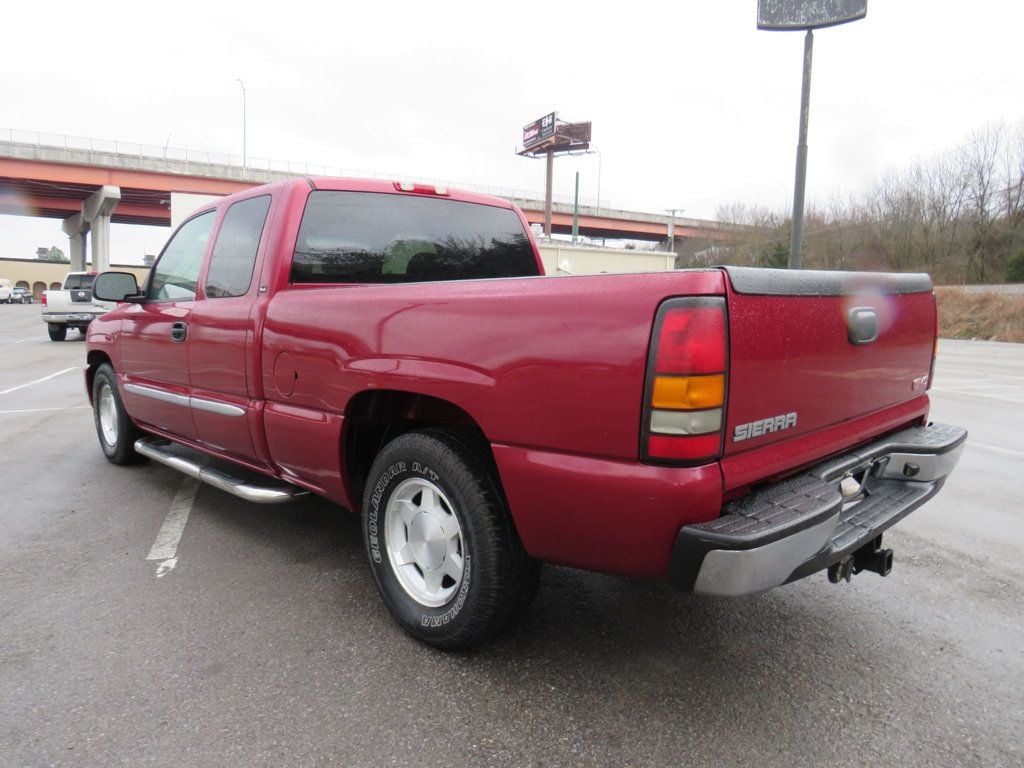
57,331
441,544
114,428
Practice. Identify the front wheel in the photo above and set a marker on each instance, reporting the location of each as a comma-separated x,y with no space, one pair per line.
115,429
58,332
442,547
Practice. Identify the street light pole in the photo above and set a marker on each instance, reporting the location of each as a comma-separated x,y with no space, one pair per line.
244,155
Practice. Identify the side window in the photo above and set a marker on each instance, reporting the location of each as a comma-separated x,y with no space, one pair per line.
234,253
176,272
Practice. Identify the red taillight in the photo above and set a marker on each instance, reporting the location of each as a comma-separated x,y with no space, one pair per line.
691,340
684,407
42,299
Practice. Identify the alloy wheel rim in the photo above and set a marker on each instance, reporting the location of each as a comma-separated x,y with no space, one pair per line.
107,415
425,543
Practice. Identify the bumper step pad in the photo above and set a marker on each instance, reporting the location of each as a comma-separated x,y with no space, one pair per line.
803,524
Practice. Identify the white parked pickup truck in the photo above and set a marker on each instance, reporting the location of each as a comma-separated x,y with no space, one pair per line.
72,306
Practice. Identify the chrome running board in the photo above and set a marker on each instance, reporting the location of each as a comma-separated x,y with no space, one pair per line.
237,481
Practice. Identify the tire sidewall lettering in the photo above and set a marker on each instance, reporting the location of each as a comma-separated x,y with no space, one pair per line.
398,470
433,621
373,514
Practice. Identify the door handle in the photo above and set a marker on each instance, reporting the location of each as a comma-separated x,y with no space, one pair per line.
179,331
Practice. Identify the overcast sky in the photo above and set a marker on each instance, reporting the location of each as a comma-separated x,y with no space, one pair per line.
691,106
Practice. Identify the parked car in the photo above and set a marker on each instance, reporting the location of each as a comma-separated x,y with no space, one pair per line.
21,295
5,290
72,306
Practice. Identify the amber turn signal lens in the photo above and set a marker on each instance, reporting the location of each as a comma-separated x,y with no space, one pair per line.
685,393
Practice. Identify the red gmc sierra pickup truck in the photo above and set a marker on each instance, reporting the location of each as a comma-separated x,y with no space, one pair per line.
395,348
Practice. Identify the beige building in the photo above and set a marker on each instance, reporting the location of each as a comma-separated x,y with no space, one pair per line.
39,276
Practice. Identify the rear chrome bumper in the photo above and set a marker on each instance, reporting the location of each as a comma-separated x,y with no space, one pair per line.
71,318
811,521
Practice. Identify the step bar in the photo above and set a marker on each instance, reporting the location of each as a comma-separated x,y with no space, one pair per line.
239,482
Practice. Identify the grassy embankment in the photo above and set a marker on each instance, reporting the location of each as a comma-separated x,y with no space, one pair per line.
988,316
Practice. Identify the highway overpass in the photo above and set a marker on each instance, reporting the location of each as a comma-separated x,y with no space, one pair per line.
54,176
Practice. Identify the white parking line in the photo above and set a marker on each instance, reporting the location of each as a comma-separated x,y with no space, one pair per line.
44,410
996,448
38,381
968,395
165,548
25,341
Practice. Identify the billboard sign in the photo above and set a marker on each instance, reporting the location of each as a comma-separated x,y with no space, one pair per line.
577,133
538,130
808,14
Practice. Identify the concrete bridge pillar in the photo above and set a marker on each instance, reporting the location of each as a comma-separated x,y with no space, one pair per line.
97,210
95,220
76,228
100,235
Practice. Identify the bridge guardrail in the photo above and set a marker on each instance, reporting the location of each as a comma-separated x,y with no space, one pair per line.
180,154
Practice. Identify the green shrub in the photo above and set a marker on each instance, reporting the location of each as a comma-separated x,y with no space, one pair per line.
1015,268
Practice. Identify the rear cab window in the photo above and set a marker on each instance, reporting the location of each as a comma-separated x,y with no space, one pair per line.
372,237
77,282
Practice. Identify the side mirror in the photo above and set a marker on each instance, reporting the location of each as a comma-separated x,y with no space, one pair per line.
117,286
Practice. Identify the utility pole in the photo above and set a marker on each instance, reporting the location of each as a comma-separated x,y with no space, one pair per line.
672,227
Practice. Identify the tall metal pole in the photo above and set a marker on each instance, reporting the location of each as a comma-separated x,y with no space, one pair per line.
548,195
672,227
244,155
796,243
576,212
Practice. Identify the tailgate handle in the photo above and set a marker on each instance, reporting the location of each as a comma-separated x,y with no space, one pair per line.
862,325
179,331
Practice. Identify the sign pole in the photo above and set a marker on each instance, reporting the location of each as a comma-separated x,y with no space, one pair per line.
800,185
807,15
547,194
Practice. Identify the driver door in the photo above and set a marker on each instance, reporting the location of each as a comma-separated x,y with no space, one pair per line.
155,335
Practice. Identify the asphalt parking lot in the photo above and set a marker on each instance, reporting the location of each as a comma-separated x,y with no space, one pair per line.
264,642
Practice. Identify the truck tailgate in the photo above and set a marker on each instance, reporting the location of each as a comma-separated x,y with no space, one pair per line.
812,352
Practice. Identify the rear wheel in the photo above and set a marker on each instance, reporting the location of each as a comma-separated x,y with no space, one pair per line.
115,429
57,331
442,547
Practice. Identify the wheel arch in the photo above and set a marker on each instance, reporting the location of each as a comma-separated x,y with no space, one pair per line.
374,418
93,361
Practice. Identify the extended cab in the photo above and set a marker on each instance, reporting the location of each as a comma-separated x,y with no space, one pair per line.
72,306
396,349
